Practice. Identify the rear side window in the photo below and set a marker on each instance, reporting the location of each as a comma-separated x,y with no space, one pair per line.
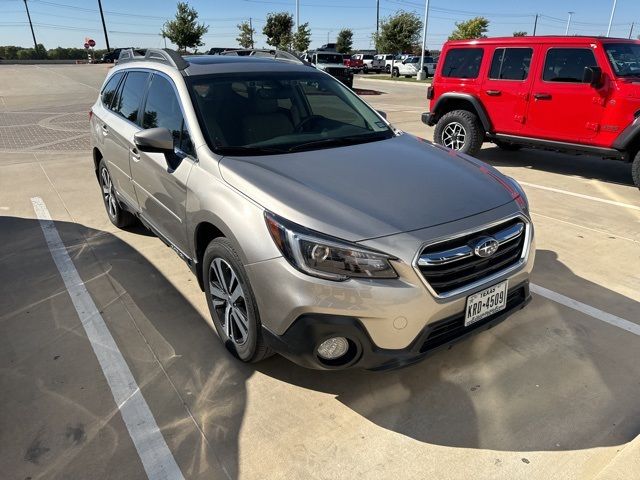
110,89
163,110
130,95
511,64
462,63
567,64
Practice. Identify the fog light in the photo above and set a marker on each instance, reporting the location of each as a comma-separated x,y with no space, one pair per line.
333,348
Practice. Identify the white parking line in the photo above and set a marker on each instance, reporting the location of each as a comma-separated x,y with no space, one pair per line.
586,309
580,195
157,460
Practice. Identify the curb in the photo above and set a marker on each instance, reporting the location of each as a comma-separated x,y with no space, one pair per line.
395,82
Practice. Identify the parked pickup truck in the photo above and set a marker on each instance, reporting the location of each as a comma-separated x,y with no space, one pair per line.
367,61
354,63
331,63
410,67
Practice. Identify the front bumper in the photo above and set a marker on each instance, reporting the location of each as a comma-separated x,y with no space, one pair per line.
301,339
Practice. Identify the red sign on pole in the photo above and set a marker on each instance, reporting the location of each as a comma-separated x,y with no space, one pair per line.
92,42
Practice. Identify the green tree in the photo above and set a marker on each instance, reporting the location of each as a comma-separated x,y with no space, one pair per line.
519,34
278,29
245,37
302,38
399,33
184,30
344,42
474,28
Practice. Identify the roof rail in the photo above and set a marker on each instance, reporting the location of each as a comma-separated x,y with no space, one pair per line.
165,56
282,55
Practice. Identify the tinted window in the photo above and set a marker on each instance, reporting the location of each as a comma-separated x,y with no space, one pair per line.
462,63
109,90
163,110
567,64
624,58
130,95
511,63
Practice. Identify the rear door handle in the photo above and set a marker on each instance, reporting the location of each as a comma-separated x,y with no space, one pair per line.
494,93
542,96
105,129
134,154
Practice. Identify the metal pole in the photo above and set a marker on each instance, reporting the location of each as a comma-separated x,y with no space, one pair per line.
298,13
251,31
566,32
535,25
421,74
613,11
35,44
104,27
631,30
377,17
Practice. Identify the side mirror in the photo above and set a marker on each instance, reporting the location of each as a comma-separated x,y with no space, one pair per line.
382,114
592,76
157,140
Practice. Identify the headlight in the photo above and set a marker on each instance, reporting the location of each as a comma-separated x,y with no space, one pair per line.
521,197
324,256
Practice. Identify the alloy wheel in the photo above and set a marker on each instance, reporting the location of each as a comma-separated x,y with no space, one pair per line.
108,193
228,299
454,135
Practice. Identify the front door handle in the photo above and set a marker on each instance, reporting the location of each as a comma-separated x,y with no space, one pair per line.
542,96
493,93
134,154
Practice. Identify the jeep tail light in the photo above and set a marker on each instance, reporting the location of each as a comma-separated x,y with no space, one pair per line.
430,92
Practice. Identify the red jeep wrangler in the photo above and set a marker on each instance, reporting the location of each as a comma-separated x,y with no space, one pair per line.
572,94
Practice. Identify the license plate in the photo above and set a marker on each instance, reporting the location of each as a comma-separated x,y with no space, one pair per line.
487,302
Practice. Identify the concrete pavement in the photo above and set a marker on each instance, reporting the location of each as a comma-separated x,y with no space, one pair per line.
550,393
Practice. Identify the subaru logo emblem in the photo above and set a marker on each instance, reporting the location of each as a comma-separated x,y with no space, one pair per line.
485,246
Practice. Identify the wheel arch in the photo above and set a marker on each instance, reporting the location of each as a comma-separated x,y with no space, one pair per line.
448,102
97,156
204,232
629,138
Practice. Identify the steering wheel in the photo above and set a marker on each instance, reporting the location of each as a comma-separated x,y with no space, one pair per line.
309,121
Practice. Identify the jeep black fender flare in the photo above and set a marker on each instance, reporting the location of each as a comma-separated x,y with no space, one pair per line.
452,97
629,137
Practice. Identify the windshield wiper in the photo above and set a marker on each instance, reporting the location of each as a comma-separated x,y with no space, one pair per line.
339,141
247,150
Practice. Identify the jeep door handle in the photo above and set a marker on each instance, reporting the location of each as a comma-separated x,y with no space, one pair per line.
542,96
134,154
493,93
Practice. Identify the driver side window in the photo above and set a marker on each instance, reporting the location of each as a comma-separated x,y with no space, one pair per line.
162,109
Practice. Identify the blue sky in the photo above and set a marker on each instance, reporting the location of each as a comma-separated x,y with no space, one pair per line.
132,22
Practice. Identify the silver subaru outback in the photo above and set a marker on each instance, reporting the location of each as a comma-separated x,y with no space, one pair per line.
315,228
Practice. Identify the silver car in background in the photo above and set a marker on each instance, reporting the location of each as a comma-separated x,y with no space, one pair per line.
315,228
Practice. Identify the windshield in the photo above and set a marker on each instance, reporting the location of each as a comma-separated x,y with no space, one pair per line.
335,58
273,112
624,58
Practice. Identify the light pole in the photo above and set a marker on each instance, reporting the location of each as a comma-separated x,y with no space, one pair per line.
35,44
104,27
613,11
422,74
297,14
328,33
566,32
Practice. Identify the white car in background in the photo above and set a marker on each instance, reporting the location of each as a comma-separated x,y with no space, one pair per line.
410,67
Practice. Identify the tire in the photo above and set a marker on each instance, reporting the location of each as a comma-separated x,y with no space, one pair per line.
396,72
509,147
635,170
365,69
456,124
120,217
222,276
387,68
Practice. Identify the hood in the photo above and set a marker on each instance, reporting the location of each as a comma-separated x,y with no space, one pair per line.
369,190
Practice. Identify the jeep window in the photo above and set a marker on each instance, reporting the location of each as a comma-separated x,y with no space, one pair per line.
367,57
131,93
462,63
335,58
163,110
273,112
567,64
510,64
624,58
110,89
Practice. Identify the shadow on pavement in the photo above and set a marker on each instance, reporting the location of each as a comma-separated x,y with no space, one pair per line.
545,379
36,310
586,166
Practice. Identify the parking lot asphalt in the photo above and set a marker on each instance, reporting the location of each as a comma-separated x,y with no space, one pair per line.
550,393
